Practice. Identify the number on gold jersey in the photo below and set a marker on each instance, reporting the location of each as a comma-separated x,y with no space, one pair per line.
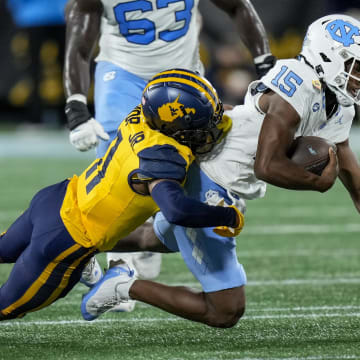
143,31
105,163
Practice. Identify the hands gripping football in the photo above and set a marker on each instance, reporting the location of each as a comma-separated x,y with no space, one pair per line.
85,131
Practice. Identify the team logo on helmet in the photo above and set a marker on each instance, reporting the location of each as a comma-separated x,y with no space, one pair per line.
185,106
343,32
174,110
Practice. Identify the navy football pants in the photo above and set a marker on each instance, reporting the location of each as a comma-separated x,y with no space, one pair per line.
48,262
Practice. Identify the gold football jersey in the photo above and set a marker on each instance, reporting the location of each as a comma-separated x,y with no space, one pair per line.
101,206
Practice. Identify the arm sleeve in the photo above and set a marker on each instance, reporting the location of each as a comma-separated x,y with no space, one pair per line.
181,210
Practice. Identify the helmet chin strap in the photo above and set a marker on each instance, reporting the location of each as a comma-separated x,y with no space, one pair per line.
341,98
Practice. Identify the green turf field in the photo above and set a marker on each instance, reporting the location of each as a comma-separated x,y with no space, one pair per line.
301,252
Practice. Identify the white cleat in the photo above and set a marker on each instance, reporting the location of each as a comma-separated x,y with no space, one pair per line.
147,264
124,306
112,290
92,273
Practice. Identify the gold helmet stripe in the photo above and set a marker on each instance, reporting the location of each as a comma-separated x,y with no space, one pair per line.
204,81
204,86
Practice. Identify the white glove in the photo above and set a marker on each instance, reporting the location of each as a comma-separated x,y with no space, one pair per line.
85,131
86,136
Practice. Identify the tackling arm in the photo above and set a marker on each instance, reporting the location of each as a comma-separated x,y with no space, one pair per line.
349,171
277,133
184,211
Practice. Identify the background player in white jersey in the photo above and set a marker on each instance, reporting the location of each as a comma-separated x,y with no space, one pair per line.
313,94
137,40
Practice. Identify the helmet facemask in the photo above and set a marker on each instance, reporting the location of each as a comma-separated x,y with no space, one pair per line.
347,88
202,141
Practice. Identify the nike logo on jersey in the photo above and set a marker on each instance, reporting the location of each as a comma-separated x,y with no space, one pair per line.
339,121
109,76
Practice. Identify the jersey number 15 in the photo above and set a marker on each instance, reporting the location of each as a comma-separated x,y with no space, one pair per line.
286,81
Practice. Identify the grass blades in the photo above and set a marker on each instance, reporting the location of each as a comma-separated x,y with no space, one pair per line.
301,253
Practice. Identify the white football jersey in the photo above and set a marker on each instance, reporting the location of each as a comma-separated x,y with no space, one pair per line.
147,36
232,162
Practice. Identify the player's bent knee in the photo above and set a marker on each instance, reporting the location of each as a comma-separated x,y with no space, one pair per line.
225,307
226,319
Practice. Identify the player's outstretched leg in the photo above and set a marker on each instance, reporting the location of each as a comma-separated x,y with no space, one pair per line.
110,291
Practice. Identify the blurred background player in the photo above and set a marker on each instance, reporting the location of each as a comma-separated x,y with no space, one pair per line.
38,50
227,62
137,39
67,223
313,94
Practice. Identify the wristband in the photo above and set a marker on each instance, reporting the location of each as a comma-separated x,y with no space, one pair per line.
78,97
77,113
259,59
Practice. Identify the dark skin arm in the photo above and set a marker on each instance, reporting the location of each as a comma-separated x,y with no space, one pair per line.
82,32
276,135
250,28
349,171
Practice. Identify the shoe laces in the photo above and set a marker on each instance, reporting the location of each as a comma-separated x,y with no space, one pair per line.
89,267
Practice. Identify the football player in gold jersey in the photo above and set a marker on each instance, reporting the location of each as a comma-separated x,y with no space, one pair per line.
142,171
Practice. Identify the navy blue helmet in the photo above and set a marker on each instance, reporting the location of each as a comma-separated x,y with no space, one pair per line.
185,106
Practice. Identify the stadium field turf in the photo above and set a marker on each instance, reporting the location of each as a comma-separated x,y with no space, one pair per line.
300,250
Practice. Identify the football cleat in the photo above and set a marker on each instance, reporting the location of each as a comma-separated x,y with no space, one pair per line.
147,264
110,291
124,306
92,273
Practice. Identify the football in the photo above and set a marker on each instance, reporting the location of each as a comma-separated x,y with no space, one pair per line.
311,152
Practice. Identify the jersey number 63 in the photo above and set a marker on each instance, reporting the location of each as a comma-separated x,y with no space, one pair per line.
143,31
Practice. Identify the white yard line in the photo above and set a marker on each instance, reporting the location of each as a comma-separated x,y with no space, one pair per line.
317,282
322,357
285,282
80,289
301,229
304,211
304,308
167,319
275,229
300,252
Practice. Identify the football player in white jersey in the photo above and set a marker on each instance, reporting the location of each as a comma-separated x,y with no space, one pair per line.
137,40
313,94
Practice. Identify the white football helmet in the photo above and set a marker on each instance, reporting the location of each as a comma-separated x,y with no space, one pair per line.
330,42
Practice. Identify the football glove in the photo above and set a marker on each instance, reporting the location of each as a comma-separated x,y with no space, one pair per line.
85,131
263,64
227,231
